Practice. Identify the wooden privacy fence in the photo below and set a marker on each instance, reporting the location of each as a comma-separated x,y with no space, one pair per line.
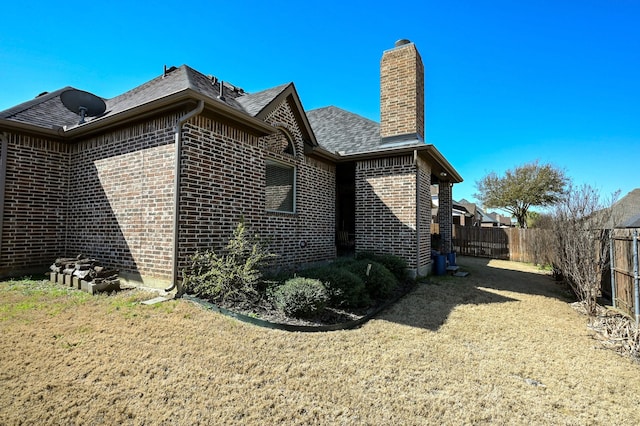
622,284
520,245
623,252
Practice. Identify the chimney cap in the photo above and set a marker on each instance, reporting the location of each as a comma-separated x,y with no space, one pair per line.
402,42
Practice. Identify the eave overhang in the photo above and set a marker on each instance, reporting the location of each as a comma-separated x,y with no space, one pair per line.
428,152
181,99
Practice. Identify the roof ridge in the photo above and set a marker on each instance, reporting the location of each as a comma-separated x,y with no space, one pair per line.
344,111
189,72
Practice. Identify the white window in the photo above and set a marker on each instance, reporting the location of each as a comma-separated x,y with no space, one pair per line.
280,191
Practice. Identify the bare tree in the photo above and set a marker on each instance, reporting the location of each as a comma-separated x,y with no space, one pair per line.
580,240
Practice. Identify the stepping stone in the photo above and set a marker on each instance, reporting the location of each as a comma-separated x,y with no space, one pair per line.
460,274
155,300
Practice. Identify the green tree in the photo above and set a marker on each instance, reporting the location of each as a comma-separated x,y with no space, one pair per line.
528,185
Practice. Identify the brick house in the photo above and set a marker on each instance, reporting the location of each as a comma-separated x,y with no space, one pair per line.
171,166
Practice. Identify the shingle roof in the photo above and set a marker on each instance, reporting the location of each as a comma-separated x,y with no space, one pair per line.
254,103
632,222
338,130
48,111
626,211
174,81
44,111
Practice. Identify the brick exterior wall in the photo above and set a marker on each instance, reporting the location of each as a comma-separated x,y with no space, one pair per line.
111,196
34,223
309,235
223,180
393,209
401,92
445,215
121,199
424,216
386,207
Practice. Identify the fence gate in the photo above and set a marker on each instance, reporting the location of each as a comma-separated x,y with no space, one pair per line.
625,291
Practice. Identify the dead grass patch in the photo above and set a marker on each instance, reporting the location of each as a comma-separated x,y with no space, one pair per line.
500,346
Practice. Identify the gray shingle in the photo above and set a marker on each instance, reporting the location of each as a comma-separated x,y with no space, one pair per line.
254,103
44,111
338,130
626,211
48,111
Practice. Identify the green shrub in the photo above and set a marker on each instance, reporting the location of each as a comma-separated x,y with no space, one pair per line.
344,287
378,281
234,276
341,262
300,297
395,264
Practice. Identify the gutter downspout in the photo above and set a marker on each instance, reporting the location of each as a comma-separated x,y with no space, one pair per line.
4,150
176,193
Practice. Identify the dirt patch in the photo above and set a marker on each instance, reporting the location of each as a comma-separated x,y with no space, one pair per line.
502,346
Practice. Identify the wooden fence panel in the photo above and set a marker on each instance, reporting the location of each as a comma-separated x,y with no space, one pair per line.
481,242
530,245
520,245
623,270
534,246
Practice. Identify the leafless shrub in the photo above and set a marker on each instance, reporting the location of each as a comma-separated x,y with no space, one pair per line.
580,241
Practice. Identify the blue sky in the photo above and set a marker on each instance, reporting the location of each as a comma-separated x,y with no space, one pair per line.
507,82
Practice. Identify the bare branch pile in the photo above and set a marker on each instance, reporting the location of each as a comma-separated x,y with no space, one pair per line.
616,331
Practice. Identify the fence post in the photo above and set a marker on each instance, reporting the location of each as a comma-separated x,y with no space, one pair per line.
636,278
612,264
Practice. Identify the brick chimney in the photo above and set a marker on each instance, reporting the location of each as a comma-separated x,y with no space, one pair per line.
402,92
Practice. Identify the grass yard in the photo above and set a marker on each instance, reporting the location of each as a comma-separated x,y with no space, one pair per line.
501,346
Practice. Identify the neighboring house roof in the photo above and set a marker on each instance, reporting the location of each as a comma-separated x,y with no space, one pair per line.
633,222
626,211
457,208
469,206
501,219
486,218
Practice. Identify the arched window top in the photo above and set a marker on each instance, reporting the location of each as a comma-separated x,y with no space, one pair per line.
281,142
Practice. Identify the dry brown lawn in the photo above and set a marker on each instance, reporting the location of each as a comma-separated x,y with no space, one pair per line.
501,346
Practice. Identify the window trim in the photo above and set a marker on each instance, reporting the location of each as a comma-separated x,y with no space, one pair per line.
289,137
273,161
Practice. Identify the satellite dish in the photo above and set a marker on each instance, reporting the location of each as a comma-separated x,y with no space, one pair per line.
83,103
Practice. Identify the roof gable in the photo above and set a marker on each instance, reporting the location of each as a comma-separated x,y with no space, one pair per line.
255,103
262,104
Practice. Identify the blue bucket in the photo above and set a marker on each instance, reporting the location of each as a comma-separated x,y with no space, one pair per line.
440,264
451,258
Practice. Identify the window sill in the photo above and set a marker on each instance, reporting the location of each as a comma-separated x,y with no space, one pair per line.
280,213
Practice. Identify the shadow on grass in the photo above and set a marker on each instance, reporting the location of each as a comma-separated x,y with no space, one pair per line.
431,303
507,276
